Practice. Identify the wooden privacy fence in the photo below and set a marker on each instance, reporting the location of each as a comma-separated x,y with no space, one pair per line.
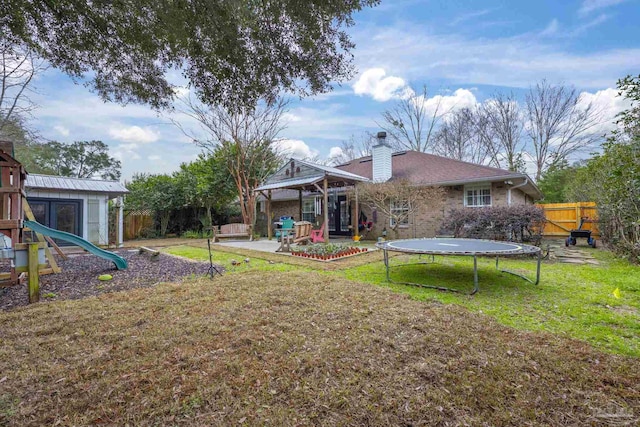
135,222
564,217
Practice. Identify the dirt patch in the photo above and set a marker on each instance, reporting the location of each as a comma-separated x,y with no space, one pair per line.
625,309
296,349
79,277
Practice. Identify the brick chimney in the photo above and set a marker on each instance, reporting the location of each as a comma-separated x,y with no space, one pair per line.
381,156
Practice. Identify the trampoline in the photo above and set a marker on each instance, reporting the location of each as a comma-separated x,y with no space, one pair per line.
464,247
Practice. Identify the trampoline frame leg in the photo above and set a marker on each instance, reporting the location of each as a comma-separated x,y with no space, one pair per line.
475,275
476,286
440,288
522,275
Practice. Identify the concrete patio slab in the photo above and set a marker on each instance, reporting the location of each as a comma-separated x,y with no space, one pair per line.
256,245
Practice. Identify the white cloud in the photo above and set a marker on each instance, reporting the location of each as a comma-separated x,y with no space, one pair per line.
329,122
62,130
608,104
154,157
590,24
134,134
515,61
290,117
335,152
551,29
374,83
126,152
181,91
469,16
443,104
591,5
295,148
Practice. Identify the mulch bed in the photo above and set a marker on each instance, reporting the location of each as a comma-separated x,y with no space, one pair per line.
79,277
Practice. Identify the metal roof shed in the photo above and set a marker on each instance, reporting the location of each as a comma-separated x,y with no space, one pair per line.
76,205
65,183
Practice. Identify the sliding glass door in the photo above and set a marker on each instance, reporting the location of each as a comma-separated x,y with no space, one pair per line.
59,214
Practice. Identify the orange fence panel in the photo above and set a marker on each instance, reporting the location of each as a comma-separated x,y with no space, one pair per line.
564,217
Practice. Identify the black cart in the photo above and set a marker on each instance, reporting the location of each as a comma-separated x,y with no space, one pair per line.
579,233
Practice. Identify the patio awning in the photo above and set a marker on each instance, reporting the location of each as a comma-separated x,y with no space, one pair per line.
291,184
306,176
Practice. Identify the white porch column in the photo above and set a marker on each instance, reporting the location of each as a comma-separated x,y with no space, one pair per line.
120,222
325,186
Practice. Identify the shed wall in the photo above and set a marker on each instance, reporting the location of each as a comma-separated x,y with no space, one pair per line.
103,209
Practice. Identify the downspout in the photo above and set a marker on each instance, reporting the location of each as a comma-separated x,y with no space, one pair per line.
526,181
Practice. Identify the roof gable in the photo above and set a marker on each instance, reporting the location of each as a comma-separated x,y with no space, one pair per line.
299,173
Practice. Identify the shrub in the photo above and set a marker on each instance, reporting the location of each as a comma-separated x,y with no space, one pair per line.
148,233
191,234
521,223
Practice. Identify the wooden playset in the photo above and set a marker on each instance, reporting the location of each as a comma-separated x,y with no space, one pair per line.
29,253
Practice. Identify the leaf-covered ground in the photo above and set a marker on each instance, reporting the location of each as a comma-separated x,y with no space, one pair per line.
296,348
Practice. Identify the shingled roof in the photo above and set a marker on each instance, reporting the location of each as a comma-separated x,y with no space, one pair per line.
429,169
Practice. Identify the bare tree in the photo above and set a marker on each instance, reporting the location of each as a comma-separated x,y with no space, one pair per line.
411,122
244,138
458,138
559,123
503,123
399,200
354,148
18,67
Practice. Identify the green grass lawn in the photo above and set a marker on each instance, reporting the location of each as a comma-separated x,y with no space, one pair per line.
576,300
573,300
225,259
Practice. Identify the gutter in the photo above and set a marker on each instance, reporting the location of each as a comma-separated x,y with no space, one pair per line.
526,181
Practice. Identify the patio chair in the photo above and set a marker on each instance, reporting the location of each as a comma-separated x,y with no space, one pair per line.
303,232
285,230
317,236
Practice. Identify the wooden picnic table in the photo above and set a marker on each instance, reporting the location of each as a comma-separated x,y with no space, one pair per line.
285,239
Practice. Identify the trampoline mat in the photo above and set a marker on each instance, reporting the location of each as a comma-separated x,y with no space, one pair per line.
449,246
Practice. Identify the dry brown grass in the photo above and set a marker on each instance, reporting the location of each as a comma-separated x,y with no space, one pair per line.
295,349
374,256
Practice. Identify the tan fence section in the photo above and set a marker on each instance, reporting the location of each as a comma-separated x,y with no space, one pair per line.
564,217
135,222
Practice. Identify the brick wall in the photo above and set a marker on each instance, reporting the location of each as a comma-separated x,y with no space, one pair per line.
423,224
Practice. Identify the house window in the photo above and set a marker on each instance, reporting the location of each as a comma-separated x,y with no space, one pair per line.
309,210
477,196
399,209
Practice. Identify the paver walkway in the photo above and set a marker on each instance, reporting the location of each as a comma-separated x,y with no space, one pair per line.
579,254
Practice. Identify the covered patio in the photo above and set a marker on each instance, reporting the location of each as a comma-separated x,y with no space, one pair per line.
305,176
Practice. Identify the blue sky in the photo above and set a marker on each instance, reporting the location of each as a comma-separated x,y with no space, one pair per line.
464,51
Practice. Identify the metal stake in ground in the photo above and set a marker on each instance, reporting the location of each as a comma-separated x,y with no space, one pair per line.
213,269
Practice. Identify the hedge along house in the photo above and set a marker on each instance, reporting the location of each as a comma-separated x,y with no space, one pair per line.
466,185
76,205
302,191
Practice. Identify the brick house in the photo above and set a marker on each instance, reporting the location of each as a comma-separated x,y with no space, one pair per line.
466,185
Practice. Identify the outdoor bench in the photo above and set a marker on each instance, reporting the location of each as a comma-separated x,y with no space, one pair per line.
231,230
